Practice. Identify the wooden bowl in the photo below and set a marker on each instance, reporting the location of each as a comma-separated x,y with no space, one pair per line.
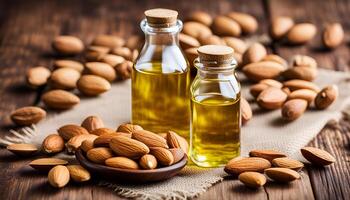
130,175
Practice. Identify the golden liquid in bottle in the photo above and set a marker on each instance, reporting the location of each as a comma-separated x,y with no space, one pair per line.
215,129
160,101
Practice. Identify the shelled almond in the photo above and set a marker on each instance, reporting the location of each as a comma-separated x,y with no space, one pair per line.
26,116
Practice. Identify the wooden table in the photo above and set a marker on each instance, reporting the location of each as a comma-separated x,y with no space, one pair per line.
28,27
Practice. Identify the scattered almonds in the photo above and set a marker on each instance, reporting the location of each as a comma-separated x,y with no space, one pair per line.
29,115
252,179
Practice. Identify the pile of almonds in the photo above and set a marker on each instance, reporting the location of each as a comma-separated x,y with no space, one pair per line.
276,165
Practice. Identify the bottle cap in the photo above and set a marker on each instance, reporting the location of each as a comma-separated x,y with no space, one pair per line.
215,53
160,17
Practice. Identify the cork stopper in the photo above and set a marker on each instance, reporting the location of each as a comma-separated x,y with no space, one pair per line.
215,53
160,17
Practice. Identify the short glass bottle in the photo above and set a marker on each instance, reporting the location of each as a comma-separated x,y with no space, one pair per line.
215,108
161,76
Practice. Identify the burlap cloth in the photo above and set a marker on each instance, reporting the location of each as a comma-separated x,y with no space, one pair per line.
265,131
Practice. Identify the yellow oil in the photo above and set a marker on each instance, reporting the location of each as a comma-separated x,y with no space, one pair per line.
215,129
160,101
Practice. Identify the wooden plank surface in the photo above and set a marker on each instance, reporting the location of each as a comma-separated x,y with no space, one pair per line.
27,27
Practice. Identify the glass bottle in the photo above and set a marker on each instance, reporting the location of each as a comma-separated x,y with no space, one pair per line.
215,108
161,76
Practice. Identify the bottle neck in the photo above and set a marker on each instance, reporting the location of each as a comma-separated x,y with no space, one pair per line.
161,35
214,70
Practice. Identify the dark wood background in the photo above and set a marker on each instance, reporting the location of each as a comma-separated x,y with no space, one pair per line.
27,27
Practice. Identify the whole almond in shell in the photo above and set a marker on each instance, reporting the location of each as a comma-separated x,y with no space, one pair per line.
280,26
64,78
293,109
304,61
301,33
326,97
75,142
333,35
178,154
251,164
37,76
288,163
255,53
256,89
164,156
283,175
72,64
195,29
236,44
252,179
201,17
28,115
124,52
129,128
275,58
297,84
247,22
149,138
317,156
124,69
306,94
101,69
78,173
302,73
104,139
267,154
211,39
92,85
22,149
102,131
53,144
112,60
58,176
128,147
121,162
271,98
148,161
272,83
225,26
86,145
45,164
99,154
246,111
263,70
67,45
70,130
187,41
92,123
60,99
110,41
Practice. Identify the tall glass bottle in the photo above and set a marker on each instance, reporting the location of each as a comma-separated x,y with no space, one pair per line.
161,76
215,108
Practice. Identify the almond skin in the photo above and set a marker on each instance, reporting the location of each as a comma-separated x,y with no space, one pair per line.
247,22
288,163
306,94
280,27
67,45
124,69
22,149
128,147
297,84
95,53
333,35
70,130
45,164
58,176
201,17
101,69
172,139
275,58
128,128
225,26
102,131
195,29
252,179
86,145
302,73
104,139
37,76
326,97
267,154
112,60
317,156
255,53
283,175
164,156
178,154
301,33
149,138
69,64
272,83
123,52
304,61
293,109
256,89
29,115
60,99
92,85
263,70
75,142
92,123
148,161
64,78
110,41
251,164
53,144
236,44
99,154
271,98
187,41
134,42
78,173
211,39
121,162
246,111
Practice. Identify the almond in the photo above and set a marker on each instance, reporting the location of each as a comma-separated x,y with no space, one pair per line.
297,84
60,99
239,58
178,154
263,70
304,61
302,73
187,41
101,69
196,29
78,173
71,130
225,26
191,55
53,144
283,175
247,22
326,97
317,156
134,42
301,33
256,89
201,17
238,45
172,139
333,35
96,53
37,76
288,163
45,164
246,111
128,147
252,179
121,162
69,64
271,98
29,115
104,139
64,78
183,144
99,154
275,58
58,176
92,123
164,156
124,69
293,109
280,26
211,39
102,131
128,128
112,60
267,154
67,45
110,41
271,83
22,149
286,90
148,161
75,142
306,94
255,53
92,85
86,145
251,164
149,138
123,52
